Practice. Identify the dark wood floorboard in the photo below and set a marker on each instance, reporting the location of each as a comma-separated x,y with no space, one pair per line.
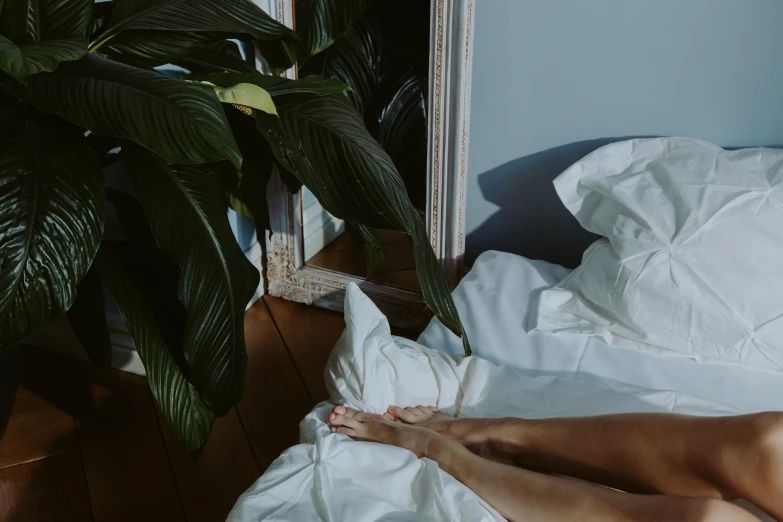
48,490
27,401
210,486
89,444
310,334
276,398
37,435
125,461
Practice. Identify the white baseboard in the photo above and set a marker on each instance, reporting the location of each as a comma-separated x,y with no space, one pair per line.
255,255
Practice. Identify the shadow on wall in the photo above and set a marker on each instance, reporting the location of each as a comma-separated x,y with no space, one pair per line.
531,221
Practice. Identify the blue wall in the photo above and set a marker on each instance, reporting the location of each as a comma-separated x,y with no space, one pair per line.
555,79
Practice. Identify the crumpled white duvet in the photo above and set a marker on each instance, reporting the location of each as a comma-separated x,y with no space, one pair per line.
330,477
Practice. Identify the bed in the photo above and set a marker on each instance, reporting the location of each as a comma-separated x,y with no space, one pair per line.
527,362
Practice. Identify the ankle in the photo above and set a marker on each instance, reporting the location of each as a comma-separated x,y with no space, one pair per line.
443,450
435,445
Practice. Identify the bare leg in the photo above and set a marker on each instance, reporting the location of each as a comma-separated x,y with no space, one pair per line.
719,457
523,495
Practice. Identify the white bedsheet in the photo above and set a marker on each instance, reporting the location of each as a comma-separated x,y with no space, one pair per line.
493,301
330,477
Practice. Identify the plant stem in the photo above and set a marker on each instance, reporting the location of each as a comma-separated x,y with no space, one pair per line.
98,43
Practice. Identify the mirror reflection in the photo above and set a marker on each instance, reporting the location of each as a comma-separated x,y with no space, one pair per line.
384,57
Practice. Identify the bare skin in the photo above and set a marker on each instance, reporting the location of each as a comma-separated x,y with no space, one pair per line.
523,495
719,457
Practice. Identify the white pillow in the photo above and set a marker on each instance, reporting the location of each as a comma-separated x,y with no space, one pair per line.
691,260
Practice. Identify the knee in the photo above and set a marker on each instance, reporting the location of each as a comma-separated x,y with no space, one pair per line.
712,510
768,433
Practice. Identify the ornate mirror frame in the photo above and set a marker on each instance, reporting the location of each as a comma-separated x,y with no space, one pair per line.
289,277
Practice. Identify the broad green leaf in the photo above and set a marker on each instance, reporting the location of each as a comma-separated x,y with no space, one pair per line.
354,60
100,15
276,85
17,21
215,57
51,218
182,405
400,102
27,21
164,30
246,95
235,203
187,209
132,219
247,193
405,112
87,317
156,277
323,141
280,55
370,243
20,62
291,181
402,132
159,47
182,121
384,57
404,29
137,63
126,12
63,18
321,22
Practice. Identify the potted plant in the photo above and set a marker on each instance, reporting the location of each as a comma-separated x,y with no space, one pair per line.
81,89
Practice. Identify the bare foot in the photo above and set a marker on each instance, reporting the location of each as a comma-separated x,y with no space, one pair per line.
428,417
471,433
378,428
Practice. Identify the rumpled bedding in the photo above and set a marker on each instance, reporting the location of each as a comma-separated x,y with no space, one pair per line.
688,262
330,477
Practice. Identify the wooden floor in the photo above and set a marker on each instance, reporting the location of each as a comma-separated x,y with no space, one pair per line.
89,444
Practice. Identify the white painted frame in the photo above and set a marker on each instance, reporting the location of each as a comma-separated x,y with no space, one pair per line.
451,38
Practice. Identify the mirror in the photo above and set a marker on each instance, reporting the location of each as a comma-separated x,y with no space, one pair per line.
415,102
330,246
384,57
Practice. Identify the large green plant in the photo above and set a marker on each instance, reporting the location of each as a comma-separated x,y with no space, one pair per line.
79,90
